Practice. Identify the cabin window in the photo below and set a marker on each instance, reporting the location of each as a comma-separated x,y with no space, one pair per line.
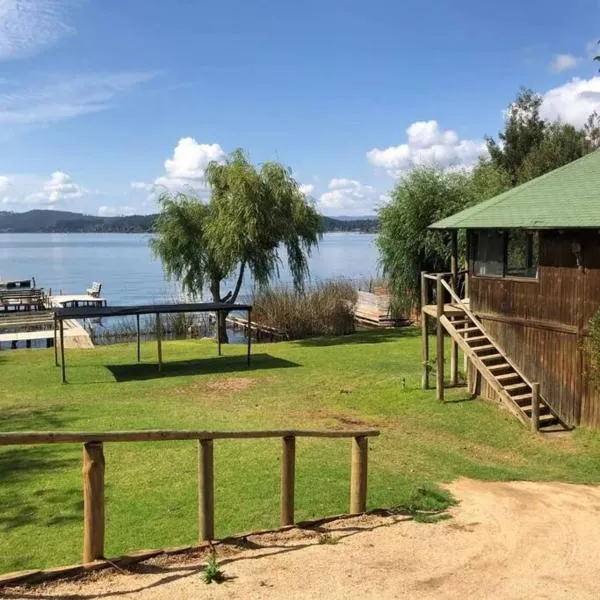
488,253
512,253
522,250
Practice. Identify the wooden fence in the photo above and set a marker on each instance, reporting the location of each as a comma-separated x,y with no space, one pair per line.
94,466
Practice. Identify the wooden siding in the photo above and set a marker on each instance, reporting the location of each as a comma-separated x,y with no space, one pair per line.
541,323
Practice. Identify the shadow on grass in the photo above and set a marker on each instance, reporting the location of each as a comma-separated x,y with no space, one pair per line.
369,336
202,366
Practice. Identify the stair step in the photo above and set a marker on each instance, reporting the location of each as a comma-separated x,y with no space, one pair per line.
486,347
467,329
516,386
523,399
494,368
479,338
491,356
507,376
544,410
547,420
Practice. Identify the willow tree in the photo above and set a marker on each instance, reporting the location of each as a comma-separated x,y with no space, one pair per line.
252,213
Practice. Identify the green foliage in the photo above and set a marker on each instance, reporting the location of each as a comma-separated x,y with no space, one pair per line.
212,573
592,130
560,145
326,308
523,130
424,196
593,347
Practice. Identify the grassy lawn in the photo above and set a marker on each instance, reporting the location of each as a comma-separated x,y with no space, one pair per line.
368,379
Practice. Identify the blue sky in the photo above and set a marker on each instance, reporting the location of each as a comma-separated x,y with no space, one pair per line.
104,102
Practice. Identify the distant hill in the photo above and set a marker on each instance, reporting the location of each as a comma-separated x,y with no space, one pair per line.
56,221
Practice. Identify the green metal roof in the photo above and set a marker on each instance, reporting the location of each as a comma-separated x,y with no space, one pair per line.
568,197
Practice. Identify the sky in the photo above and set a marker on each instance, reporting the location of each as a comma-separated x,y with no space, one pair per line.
104,103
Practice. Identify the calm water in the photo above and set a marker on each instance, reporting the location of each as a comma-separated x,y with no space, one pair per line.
130,274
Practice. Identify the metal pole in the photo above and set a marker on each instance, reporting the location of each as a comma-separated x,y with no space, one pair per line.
62,351
218,313
158,341
249,333
138,337
55,344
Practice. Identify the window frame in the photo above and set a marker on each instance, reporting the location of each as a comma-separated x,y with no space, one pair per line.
505,232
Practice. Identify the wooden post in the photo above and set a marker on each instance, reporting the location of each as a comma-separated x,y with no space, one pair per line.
206,491
454,283
249,334
137,318
535,407
158,340
288,476
62,351
55,344
93,502
358,478
424,333
440,340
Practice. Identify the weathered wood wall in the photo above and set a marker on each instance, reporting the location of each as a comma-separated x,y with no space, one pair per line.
542,323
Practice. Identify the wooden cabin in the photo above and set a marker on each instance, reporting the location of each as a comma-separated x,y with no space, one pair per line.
533,283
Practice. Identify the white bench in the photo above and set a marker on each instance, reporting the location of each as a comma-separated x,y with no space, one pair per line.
95,289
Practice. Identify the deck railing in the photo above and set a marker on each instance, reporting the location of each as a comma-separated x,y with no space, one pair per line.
94,467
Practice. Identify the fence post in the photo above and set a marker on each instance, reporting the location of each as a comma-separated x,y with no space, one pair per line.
535,407
159,340
288,475
93,502
440,339
206,492
424,333
358,478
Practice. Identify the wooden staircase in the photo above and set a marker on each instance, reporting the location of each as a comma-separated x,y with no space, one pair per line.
512,387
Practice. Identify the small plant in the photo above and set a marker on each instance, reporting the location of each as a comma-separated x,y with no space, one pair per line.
327,538
212,572
592,345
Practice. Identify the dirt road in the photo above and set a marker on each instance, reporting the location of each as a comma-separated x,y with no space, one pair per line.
505,540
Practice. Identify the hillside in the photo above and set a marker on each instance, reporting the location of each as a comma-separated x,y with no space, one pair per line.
55,221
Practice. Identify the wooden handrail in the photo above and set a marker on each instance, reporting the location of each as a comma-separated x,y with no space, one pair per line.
94,470
157,435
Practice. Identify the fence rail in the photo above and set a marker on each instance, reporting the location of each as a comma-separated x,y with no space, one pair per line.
94,468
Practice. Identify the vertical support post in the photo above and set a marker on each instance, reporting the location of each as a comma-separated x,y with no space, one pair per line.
424,333
55,344
218,314
288,477
137,318
358,477
249,334
62,351
93,502
440,339
535,407
454,272
206,491
159,340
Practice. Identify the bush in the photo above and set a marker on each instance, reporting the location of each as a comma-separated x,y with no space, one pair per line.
592,345
323,309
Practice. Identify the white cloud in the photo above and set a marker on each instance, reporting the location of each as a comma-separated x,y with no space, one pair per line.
307,189
115,211
573,101
350,197
186,167
58,188
427,145
564,62
28,26
65,98
142,185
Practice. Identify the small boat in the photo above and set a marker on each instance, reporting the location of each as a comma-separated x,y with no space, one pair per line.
16,284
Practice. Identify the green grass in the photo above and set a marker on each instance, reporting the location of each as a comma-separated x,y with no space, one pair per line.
370,379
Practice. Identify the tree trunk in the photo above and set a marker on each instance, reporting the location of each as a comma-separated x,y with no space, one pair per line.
215,289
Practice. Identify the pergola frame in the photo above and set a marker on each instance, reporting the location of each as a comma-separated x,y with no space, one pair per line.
91,312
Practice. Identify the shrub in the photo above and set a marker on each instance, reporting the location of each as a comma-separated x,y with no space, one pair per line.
325,308
592,345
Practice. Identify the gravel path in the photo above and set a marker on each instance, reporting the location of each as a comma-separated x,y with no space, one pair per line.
505,540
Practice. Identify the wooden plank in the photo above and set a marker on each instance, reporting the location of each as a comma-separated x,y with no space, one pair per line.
288,480
535,406
424,332
157,435
137,318
440,340
62,351
93,502
206,491
159,340
358,476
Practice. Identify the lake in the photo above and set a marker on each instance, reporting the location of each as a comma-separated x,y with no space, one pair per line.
129,274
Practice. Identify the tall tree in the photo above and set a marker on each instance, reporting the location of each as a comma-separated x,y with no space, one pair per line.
252,212
422,197
592,130
561,144
523,130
